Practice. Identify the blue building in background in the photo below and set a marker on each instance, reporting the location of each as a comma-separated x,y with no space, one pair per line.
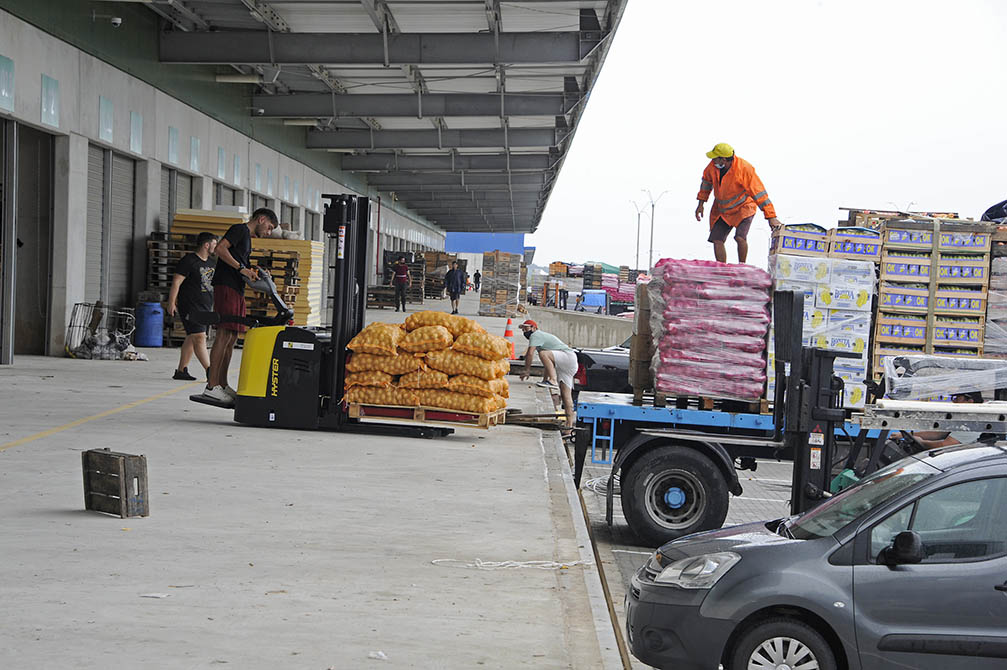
477,243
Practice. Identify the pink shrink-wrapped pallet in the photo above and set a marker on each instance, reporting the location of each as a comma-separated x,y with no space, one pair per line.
710,322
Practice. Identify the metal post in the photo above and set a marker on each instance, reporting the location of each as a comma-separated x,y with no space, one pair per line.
636,263
653,204
8,168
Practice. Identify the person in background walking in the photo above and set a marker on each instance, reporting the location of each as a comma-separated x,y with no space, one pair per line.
476,279
454,282
192,291
401,280
559,361
234,256
563,295
737,192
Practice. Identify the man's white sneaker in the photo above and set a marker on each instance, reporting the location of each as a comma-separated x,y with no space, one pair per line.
231,392
546,384
218,394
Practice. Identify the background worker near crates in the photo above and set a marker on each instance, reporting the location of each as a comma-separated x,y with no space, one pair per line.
737,191
192,291
401,280
234,256
559,361
454,282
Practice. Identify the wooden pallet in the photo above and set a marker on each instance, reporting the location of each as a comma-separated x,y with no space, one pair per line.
709,403
426,415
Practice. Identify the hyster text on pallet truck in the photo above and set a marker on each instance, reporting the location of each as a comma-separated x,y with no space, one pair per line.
293,377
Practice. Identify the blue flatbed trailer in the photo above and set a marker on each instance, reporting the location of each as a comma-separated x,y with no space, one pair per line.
677,466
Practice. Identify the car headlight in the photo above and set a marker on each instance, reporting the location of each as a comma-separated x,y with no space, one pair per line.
697,572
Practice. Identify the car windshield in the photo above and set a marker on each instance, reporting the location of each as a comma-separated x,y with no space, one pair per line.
840,510
627,343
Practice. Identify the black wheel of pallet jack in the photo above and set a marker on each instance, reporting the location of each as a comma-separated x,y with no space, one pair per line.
673,491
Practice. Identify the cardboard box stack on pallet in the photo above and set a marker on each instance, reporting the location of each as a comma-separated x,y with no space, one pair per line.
523,293
838,298
876,218
501,284
934,288
641,347
995,337
436,265
300,277
558,269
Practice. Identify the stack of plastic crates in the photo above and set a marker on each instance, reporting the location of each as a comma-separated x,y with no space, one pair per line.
100,332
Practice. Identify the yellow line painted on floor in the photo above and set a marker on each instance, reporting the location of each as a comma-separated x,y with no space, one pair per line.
100,415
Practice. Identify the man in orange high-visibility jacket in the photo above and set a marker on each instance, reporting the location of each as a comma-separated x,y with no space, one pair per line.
737,190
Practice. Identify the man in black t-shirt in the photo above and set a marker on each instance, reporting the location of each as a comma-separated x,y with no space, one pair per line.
234,254
192,291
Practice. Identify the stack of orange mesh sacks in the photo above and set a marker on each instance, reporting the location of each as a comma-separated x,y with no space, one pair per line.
434,359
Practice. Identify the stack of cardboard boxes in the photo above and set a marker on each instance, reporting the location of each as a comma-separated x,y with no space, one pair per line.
934,289
501,284
838,298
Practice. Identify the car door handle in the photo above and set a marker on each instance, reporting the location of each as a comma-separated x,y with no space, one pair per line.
1001,587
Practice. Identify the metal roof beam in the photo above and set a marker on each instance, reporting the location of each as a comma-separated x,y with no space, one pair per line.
474,211
323,105
385,162
260,47
399,186
433,139
461,180
449,199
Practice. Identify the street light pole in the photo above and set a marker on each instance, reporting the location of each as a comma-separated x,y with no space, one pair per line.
639,211
653,204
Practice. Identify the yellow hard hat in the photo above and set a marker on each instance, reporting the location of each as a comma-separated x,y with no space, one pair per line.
722,150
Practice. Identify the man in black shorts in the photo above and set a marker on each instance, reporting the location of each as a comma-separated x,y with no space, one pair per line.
192,291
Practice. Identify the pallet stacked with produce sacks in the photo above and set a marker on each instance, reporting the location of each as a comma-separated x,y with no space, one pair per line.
434,368
500,292
934,288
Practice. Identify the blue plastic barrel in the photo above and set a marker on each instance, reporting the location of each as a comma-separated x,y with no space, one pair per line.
149,325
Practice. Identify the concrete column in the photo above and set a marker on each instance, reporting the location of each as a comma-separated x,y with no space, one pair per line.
204,185
146,213
69,234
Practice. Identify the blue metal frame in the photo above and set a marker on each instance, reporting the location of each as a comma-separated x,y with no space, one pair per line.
603,447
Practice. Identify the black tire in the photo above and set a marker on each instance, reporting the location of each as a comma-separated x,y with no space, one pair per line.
783,633
668,476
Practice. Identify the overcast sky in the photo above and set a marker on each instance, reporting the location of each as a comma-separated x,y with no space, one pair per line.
836,103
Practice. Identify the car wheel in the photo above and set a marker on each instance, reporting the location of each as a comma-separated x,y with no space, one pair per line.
782,643
673,491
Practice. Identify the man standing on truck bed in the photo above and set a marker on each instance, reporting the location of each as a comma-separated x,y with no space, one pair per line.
737,190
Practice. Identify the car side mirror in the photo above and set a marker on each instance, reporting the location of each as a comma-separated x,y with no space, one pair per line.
905,549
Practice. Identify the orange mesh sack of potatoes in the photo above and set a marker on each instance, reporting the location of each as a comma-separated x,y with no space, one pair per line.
456,363
369,395
402,364
427,338
476,386
368,378
459,401
423,379
457,325
483,345
378,338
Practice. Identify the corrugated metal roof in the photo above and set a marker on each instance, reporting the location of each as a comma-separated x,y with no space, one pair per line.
468,87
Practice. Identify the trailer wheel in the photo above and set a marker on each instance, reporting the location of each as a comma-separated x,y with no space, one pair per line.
673,491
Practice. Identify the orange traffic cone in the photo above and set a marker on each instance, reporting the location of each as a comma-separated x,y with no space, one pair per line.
508,335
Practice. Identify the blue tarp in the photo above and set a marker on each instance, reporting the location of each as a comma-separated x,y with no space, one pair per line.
477,243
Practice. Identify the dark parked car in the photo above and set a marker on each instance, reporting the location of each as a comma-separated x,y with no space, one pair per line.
906,569
604,369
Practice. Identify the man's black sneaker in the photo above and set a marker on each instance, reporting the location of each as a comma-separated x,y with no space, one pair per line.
183,375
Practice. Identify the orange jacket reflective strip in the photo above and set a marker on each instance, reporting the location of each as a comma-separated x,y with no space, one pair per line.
737,195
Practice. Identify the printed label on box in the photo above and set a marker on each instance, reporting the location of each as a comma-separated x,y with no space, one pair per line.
844,298
800,268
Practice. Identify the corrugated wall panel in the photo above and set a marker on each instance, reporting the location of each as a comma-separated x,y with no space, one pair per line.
95,209
120,255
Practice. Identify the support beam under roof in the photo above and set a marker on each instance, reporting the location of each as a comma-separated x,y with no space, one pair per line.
258,47
469,138
413,105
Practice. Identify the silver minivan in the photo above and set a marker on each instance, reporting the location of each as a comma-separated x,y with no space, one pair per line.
907,569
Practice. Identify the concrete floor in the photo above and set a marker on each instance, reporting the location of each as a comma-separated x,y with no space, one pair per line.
279,549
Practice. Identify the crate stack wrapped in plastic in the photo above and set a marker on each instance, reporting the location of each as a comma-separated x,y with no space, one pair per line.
838,299
995,343
709,323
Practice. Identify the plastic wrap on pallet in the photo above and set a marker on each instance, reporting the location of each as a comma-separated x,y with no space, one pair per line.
709,322
995,344
923,377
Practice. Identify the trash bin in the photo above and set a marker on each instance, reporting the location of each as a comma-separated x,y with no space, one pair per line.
149,325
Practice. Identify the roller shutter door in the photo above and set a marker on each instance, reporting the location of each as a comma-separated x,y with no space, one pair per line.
120,248
287,216
225,195
165,209
258,201
183,191
95,219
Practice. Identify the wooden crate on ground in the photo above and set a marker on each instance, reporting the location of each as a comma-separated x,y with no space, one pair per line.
115,483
